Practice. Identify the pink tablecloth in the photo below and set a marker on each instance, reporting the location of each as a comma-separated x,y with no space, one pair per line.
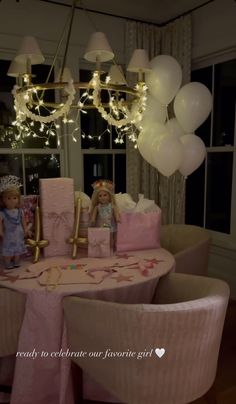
43,376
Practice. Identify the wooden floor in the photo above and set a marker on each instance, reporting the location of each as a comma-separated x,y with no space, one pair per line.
223,390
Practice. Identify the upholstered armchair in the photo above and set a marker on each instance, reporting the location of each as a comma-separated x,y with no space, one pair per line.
174,341
190,246
12,308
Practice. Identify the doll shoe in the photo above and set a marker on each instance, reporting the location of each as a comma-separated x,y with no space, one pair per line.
11,266
17,265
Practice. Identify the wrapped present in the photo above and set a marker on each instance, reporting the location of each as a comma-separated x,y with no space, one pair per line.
29,203
138,231
99,242
57,211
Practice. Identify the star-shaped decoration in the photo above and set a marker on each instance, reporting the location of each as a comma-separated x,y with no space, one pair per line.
9,277
36,244
153,260
125,256
121,278
145,272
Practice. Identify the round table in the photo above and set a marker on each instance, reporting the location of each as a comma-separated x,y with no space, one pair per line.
40,375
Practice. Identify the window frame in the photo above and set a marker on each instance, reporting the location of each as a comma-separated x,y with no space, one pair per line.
223,240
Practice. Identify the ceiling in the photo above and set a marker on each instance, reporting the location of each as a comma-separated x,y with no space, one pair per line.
153,11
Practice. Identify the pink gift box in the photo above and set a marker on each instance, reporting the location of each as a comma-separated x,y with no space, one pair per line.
29,204
57,212
99,242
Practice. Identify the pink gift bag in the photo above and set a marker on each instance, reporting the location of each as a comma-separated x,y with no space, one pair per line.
138,231
99,242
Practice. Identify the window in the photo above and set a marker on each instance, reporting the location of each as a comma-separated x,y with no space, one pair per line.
210,189
102,157
29,160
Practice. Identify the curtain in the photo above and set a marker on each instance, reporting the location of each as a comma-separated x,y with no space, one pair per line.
173,39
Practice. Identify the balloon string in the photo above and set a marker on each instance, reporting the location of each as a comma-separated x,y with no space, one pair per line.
167,115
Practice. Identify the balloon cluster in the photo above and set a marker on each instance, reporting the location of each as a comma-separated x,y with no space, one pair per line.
171,144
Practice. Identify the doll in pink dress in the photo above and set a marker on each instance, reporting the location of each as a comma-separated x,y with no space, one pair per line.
104,211
12,222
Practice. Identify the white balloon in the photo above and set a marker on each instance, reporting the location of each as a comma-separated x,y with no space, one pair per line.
167,154
174,127
164,80
194,152
142,145
155,113
147,137
192,105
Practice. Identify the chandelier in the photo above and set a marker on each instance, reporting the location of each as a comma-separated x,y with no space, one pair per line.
34,115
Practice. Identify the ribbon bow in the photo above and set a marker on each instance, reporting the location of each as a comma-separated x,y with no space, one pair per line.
98,243
58,220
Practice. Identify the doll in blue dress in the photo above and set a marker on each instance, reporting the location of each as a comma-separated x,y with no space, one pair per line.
12,223
104,211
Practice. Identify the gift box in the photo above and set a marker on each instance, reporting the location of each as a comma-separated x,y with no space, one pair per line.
99,242
57,212
28,204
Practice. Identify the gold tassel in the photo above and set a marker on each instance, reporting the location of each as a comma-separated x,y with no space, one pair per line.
75,240
36,244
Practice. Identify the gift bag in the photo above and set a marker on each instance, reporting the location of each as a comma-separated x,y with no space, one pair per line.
138,231
99,242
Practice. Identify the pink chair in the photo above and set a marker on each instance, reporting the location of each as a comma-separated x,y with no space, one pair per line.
12,308
190,246
185,319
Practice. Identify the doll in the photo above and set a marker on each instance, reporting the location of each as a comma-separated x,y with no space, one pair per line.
12,222
104,211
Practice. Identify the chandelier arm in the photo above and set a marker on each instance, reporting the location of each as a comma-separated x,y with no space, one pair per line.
68,38
57,50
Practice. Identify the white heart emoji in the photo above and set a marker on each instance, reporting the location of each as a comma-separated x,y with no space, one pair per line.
159,352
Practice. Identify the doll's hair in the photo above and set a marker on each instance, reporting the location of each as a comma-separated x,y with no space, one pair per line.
102,185
12,191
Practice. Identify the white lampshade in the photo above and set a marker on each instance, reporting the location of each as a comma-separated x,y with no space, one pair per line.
116,75
29,49
16,69
139,62
66,77
98,48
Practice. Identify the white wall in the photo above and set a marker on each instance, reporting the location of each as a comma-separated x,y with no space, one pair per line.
46,21
214,30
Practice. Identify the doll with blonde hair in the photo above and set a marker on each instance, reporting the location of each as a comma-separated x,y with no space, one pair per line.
12,223
104,211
